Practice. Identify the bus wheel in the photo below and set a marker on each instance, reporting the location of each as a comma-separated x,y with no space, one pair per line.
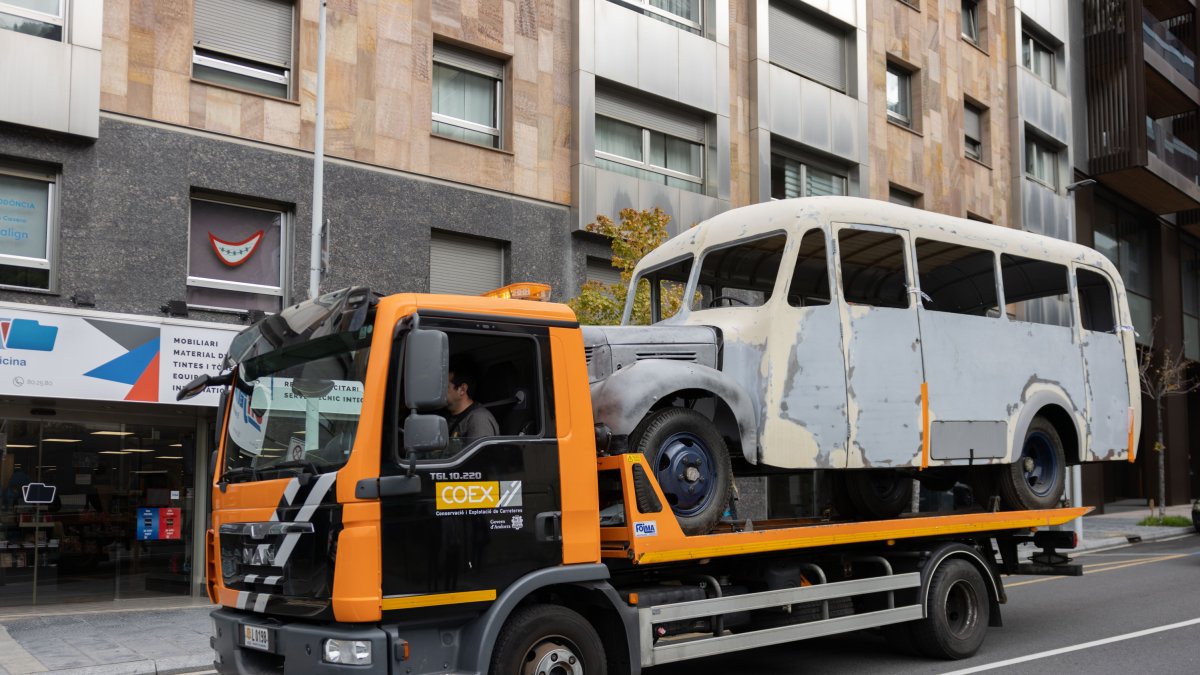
956,612
548,640
1036,480
691,464
879,494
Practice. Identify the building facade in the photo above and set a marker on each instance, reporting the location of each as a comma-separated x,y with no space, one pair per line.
156,191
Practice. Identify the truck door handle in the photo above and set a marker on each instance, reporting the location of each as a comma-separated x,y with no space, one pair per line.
548,526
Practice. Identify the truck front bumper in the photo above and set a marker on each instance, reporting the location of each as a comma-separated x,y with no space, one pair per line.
292,647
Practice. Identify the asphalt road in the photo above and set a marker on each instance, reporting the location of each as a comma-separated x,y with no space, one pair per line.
1050,621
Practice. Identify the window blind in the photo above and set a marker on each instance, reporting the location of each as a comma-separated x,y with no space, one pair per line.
257,30
464,265
627,108
807,46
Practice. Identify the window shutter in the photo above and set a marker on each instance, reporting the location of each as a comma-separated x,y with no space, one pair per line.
257,30
807,47
461,58
600,269
643,113
463,265
971,124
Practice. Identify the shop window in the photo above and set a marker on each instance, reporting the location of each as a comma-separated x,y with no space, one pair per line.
28,227
468,92
808,46
40,18
957,279
1035,291
793,177
236,256
246,44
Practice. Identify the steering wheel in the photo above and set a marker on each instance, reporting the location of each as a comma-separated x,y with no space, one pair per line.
729,298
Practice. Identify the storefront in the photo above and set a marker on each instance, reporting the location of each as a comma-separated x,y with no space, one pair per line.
102,473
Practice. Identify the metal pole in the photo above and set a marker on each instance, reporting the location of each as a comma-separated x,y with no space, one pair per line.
314,253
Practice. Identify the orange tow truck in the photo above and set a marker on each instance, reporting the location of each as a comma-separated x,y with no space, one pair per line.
356,529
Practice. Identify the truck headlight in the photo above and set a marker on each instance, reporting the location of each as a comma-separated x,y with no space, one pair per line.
348,652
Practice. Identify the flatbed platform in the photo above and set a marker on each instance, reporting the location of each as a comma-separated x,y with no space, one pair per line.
655,537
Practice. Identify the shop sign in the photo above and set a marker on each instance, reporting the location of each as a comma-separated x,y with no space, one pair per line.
97,356
159,524
24,206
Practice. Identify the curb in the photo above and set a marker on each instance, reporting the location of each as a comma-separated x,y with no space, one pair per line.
1125,540
170,665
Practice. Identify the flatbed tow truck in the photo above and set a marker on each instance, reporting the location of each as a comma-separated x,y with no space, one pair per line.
351,534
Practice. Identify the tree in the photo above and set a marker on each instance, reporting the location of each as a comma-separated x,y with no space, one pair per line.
1163,374
638,233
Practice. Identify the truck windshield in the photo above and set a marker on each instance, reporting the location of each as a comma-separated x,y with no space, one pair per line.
296,409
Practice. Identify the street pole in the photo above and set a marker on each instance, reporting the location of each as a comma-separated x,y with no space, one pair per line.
318,197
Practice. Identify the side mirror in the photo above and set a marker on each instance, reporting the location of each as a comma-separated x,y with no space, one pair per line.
426,370
193,388
424,434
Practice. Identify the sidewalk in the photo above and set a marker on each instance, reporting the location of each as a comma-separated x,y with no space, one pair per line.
161,637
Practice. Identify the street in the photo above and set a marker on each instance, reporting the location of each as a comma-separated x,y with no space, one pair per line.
1123,591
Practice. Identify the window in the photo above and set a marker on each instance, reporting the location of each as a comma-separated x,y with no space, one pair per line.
899,95
873,271
795,178
1041,162
741,274
970,20
39,18
28,227
1035,291
810,277
235,256
957,279
902,197
1038,58
1096,307
245,44
1124,238
664,287
1189,271
649,142
808,46
973,132
467,94
464,265
684,14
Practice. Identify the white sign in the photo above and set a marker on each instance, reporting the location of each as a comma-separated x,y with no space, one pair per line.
99,356
276,393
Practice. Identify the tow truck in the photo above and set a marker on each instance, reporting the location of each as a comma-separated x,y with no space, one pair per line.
351,533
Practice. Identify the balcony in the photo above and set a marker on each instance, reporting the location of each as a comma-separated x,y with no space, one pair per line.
1170,64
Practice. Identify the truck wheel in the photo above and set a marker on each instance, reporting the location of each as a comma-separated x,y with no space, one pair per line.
839,497
879,494
1036,480
548,640
956,613
691,464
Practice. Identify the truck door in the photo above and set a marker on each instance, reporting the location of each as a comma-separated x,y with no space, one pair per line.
486,504
882,346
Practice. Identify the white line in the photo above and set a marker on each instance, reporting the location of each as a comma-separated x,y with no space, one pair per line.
1075,648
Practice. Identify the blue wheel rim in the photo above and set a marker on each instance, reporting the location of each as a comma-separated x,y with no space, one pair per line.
1042,477
686,471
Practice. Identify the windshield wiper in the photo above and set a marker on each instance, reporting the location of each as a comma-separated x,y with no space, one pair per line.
239,471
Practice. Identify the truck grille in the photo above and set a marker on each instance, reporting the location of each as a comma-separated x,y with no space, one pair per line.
670,356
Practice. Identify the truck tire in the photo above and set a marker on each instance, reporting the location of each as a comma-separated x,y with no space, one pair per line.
879,494
839,497
549,640
956,612
1037,479
690,461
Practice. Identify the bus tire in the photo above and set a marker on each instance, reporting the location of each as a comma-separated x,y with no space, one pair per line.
956,612
839,497
548,639
1037,479
879,494
690,461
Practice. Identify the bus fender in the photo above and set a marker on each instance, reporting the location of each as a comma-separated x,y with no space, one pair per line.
480,635
622,400
1037,396
949,550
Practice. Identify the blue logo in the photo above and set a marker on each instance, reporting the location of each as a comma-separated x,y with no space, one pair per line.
27,334
648,528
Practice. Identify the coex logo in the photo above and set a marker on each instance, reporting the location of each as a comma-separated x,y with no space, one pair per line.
27,334
648,528
478,495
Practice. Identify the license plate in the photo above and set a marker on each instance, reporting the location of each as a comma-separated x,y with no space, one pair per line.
256,637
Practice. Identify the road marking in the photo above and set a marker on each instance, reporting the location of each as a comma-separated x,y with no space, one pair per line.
1075,648
1097,568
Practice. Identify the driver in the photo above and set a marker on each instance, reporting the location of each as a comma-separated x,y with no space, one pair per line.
466,418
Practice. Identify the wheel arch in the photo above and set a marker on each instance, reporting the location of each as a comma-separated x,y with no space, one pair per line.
954,551
1053,405
623,400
